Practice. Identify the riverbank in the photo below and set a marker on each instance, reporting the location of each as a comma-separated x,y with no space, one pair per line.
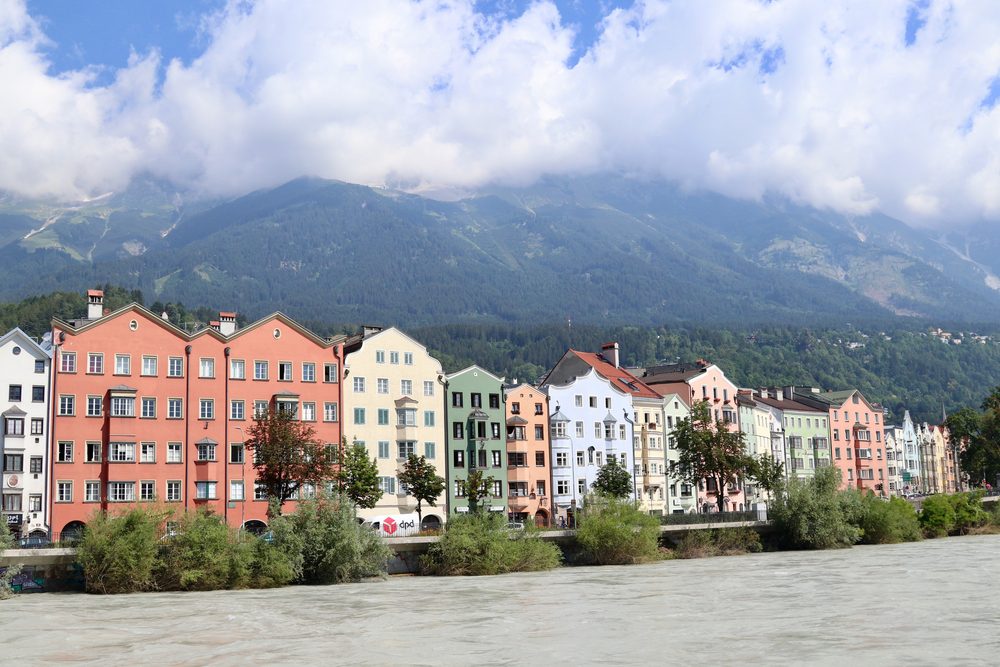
923,602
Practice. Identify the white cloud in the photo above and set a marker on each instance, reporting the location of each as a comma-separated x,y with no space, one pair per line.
821,102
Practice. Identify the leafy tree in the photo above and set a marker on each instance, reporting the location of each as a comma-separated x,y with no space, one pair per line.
119,553
707,449
813,514
615,532
613,480
287,455
768,473
477,487
420,479
937,516
357,477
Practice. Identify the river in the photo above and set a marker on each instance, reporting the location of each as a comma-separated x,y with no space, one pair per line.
927,603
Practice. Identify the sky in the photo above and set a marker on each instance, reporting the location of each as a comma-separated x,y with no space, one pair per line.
854,106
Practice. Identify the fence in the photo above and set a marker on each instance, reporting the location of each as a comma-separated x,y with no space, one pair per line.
713,517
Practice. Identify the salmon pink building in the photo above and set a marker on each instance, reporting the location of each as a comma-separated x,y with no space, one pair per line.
529,472
144,411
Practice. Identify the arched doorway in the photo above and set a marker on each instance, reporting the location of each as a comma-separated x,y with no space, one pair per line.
255,527
541,519
430,522
72,532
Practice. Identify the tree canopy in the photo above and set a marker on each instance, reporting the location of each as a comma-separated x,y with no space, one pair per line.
420,479
613,480
357,476
708,450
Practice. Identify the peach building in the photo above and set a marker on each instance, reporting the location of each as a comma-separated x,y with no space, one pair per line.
529,471
144,411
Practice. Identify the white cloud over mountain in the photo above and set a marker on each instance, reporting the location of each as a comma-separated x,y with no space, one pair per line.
834,104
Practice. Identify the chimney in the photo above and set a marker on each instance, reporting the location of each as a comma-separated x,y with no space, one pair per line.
610,352
215,324
789,393
369,330
95,304
227,324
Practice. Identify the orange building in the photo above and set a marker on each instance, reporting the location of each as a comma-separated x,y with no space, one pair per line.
144,411
529,471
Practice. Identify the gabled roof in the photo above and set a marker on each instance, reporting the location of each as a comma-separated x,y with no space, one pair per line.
25,341
783,404
620,378
474,367
668,373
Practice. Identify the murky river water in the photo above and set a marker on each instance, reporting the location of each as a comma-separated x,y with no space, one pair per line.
930,603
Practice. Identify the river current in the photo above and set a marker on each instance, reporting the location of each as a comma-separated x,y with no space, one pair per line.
929,603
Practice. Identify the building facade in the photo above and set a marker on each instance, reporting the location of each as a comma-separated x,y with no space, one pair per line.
682,497
24,444
477,439
529,470
806,432
394,395
147,412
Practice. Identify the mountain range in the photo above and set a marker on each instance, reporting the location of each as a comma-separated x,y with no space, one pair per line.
596,249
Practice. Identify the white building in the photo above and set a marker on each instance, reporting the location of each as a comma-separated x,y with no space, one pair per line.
591,422
682,497
911,469
25,367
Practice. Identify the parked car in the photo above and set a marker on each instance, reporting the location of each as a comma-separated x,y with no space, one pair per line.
35,542
515,525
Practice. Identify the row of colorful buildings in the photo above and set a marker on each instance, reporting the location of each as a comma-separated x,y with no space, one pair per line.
125,406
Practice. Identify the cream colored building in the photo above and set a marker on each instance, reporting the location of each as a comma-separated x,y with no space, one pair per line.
393,403
649,443
681,496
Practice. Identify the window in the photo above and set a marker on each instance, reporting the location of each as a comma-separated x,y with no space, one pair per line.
237,369
539,432
517,459
406,387
430,450
260,408
95,405
329,412
383,417
123,406
559,429
308,371
428,388
236,489
147,452
64,492
459,488
494,401
428,418
206,451
562,487
598,430
581,486
204,490
383,449
379,356
148,407
35,464
308,412
67,362
284,371
121,492
147,490
387,484
92,492
206,368
123,364
67,405
497,488
408,358
330,372
175,408
206,408
34,503
260,370
515,408
174,454
175,367
95,363
37,394
579,429
540,488
394,357
359,415
13,462
593,401
515,433
540,459
495,430
580,459
173,491
562,459
259,491
382,385
406,417
148,366
458,458
236,452
405,447
456,399
13,426
458,430
121,452
476,400
93,452
237,410
359,385
64,452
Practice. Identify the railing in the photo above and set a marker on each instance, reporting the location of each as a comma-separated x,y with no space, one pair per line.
710,517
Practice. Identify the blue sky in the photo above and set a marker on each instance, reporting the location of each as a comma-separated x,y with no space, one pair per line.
847,105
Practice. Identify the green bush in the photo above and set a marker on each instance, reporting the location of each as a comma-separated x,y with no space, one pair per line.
119,553
277,560
203,554
615,532
718,542
481,544
889,522
969,512
335,548
814,514
6,542
937,516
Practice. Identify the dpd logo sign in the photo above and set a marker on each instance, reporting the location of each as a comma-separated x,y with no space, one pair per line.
389,525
